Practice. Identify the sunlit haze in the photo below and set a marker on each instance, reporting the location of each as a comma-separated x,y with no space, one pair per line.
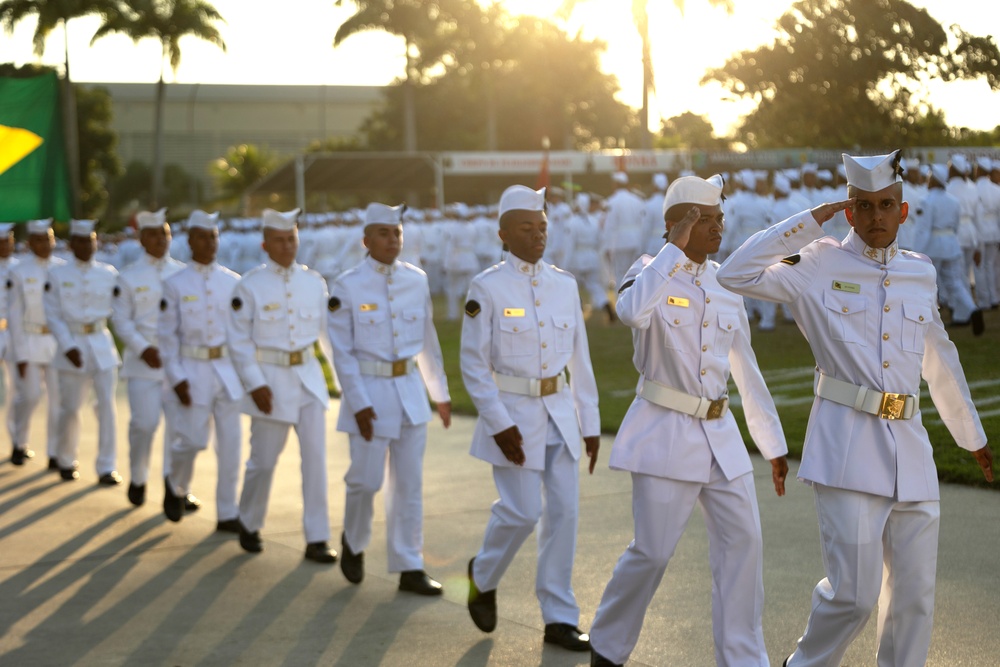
294,45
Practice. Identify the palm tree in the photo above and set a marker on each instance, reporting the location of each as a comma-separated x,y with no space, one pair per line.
640,16
168,21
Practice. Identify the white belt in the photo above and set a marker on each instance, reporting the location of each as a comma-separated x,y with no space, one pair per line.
387,369
530,386
283,358
203,352
35,328
881,404
672,399
943,232
88,327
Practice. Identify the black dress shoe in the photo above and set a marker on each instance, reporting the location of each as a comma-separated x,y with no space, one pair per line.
568,636
54,464
110,479
785,663
137,494
250,542
351,564
978,325
417,581
69,474
320,552
191,504
228,526
20,454
173,505
482,605
598,660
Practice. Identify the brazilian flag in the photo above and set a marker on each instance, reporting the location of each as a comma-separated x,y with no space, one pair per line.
34,176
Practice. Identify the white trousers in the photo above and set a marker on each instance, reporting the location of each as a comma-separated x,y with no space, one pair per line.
27,393
192,428
621,259
549,498
72,385
403,458
986,277
145,401
875,550
661,509
953,288
456,286
267,439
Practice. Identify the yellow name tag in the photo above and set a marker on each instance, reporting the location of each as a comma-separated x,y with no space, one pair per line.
513,312
67,284
31,280
367,307
272,306
189,297
144,288
841,286
678,301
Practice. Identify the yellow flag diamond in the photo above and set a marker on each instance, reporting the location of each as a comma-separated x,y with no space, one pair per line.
15,144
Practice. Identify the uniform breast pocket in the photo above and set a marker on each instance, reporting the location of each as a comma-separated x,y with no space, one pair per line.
146,301
916,317
412,328
678,327
371,331
310,321
518,338
725,333
565,330
846,316
192,318
271,323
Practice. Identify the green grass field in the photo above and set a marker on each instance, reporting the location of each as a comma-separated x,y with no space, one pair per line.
786,363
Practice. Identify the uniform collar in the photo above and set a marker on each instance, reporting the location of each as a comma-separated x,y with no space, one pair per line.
83,266
157,263
524,268
280,270
694,269
879,255
204,269
379,267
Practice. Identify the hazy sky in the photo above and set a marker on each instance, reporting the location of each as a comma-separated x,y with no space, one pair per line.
291,42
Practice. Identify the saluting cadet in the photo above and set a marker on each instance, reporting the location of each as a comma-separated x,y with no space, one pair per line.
689,332
276,319
33,344
522,331
868,310
204,387
136,310
78,302
19,451
387,358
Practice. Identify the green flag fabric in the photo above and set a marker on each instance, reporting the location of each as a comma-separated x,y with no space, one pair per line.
35,183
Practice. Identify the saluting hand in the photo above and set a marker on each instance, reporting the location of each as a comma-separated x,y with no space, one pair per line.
183,391
779,471
984,457
262,398
151,356
74,357
680,233
825,212
364,418
444,412
511,444
593,444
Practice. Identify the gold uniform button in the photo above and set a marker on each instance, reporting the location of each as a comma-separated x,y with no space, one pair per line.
395,334
704,325
565,326
394,316
289,310
885,364
677,321
538,302
729,326
698,283
802,225
288,294
794,230
545,367
886,283
885,336
389,281
921,318
515,329
787,234
844,309
541,324
534,283
544,345
703,371
704,348
886,309
390,298
708,299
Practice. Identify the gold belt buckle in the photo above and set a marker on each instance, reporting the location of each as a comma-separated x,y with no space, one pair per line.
88,328
295,358
215,352
399,367
892,406
3,323
548,386
716,408
44,330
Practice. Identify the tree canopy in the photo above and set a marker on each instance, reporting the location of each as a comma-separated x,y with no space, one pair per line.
853,72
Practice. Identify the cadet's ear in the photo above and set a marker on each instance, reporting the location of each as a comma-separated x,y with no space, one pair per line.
364,240
904,210
849,212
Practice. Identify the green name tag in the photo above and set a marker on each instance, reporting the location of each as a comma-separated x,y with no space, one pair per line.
853,288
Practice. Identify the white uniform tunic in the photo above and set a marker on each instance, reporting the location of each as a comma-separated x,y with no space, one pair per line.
136,311
78,302
14,399
277,317
192,334
988,228
871,320
623,230
937,237
380,314
524,320
688,333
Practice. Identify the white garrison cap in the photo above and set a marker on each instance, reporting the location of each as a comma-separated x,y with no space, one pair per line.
660,181
583,201
201,220
693,190
960,163
6,228
782,184
81,227
939,172
277,220
151,219
40,226
872,173
380,214
810,168
522,198
925,170
824,175
749,179
620,177
984,163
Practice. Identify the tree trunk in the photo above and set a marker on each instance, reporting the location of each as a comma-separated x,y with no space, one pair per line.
409,106
491,113
71,125
157,185
647,82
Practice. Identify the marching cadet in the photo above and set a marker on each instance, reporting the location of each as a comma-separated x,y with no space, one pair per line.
19,449
276,319
868,310
204,386
136,310
684,370
523,329
78,302
623,227
382,331
33,344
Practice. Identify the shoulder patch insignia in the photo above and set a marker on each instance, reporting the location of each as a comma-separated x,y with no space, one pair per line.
626,285
333,305
792,260
237,303
163,304
472,308
10,283
48,286
117,291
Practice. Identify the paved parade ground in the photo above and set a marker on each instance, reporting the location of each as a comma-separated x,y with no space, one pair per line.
86,579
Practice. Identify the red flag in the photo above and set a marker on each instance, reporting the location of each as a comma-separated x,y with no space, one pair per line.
543,173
